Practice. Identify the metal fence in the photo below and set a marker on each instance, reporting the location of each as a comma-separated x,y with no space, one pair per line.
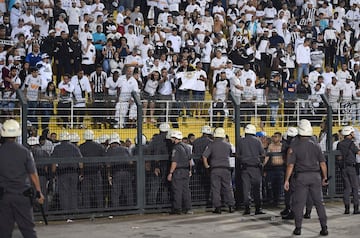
133,186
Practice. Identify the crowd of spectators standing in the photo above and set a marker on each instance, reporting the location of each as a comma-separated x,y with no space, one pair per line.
268,54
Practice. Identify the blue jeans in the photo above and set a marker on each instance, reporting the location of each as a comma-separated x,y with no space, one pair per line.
303,69
32,113
45,113
274,108
338,59
106,66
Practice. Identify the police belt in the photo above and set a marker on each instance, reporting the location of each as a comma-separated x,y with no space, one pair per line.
185,167
350,164
221,167
307,171
68,170
251,165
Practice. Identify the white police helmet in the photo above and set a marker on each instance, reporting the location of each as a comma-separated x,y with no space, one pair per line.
11,128
292,131
143,140
103,138
347,130
164,127
219,132
250,129
32,140
74,137
64,136
114,138
176,134
305,128
206,129
88,134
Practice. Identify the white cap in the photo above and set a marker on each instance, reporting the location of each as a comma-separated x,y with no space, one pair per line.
32,140
347,130
17,57
317,66
114,138
250,129
219,132
52,31
44,56
305,128
176,134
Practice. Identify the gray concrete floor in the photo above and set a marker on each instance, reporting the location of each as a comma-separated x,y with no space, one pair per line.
201,225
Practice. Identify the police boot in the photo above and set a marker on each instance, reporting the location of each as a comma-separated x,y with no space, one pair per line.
258,211
231,209
285,211
217,210
356,209
307,214
247,210
324,231
347,209
289,216
297,231
175,212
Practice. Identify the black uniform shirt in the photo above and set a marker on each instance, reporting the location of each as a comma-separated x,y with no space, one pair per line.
306,155
40,153
250,150
120,152
180,155
67,149
218,153
200,144
348,150
16,164
91,149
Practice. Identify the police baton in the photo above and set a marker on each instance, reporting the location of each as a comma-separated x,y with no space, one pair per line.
31,195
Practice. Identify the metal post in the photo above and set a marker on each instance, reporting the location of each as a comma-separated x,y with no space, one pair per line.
24,110
72,115
236,104
140,163
329,142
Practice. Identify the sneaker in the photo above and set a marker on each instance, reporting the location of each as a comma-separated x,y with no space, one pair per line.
217,210
69,221
188,212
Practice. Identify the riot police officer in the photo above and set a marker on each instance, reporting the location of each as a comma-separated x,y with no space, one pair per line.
17,172
304,159
249,153
67,173
216,157
287,213
120,173
200,173
179,175
92,184
348,164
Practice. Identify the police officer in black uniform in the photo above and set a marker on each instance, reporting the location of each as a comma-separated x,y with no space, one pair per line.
304,159
17,172
93,190
42,170
120,173
216,158
157,170
179,175
348,164
67,173
249,153
287,213
200,173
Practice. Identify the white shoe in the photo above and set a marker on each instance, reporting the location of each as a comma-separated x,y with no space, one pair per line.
69,221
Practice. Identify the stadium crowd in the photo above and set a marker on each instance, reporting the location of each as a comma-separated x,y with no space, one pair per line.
93,54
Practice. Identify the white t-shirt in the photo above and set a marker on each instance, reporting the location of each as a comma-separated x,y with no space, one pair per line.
127,86
33,85
112,86
199,85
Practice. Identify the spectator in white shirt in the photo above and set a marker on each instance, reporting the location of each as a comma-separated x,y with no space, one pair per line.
303,59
